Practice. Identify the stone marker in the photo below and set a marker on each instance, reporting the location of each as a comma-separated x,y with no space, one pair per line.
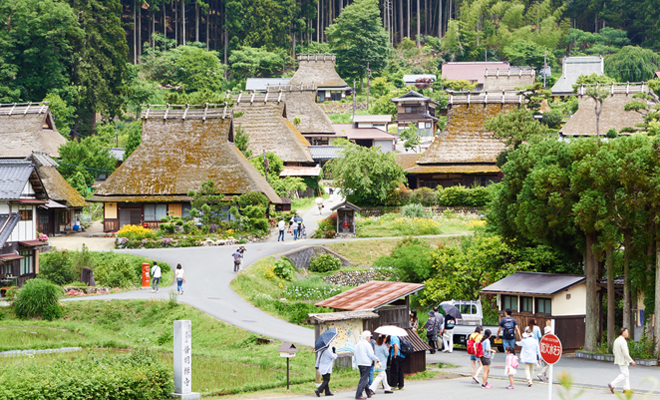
87,276
183,360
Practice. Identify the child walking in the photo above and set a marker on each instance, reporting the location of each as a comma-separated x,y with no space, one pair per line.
510,365
485,360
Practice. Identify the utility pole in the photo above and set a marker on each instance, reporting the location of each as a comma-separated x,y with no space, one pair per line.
368,75
353,99
545,66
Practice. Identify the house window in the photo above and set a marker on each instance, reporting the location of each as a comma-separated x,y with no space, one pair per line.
526,304
544,306
411,110
26,215
154,212
429,125
185,212
27,262
64,218
510,302
43,218
5,269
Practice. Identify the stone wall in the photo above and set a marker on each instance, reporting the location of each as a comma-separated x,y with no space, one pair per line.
351,278
302,256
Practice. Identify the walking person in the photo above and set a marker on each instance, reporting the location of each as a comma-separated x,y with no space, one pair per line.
324,365
431,327
414,321
180,277
382,352
155,277
510,326
294,229
281,226
622,359
395,378
476,367
237,260
486,358
543,376
441,323
510,365
530,354
448,334
364,358
535,330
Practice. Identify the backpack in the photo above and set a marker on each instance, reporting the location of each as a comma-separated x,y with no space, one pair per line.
406,347
514,362
509,329
479,349
470,346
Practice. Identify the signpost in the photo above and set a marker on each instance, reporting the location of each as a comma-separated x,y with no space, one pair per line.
183,360
287,350
551,353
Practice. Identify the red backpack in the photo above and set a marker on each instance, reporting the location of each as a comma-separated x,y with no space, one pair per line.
479,349
470,346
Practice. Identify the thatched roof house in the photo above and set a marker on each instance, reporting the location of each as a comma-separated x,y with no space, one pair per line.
420,110
319,70
464,153
264,121
300,103
613,116
58,215
182,147
27,127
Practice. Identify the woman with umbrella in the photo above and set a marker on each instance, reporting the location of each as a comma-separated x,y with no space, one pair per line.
324,359
451,315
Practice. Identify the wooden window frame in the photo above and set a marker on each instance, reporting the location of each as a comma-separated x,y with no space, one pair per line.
26,215
504,306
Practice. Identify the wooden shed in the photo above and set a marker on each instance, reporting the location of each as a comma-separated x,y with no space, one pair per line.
346,218
416,363
558,297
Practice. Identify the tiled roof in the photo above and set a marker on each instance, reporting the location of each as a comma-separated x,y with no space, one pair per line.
371,295
6,230
373,118
538,283
354,133
322,153
13,178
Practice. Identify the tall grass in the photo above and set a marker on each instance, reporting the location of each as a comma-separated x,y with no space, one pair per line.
37,297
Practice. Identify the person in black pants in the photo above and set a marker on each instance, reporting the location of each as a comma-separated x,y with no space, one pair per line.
395,375
324,366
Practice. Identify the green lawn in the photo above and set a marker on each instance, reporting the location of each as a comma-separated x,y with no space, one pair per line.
365,252
389,225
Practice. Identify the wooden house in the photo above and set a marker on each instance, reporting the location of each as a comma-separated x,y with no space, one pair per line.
21,191
27,127
319,70
464,153
391,301
263,117
418,109
560,297
367,137
572,68
381,122
613,114
64,204
182,147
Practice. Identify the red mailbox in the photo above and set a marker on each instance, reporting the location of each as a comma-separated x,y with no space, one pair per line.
146,281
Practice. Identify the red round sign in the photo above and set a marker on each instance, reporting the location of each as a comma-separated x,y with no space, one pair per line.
550,348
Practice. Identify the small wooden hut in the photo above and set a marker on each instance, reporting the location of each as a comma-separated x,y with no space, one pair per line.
346,218
182,147
27,127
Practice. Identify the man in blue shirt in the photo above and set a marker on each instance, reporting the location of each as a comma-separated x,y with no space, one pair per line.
395,378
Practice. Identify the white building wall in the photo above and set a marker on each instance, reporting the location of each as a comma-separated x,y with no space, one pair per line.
386,146
25,230
27,191
570,302
4,208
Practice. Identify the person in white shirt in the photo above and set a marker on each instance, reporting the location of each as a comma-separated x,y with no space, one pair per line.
324,365
281,226
622,359
529,354
180,278
364,358
155,277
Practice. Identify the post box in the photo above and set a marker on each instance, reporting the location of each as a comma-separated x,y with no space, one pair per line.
146,280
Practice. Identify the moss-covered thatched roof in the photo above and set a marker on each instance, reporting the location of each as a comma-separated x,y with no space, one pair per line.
317,70
178,155
56,186
28,127
302,103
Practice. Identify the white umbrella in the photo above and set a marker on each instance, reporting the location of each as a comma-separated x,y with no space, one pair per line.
390,330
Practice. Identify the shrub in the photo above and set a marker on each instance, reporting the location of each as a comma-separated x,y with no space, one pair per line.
552,118
424,196
327,227
167,227
117,273
297,312
324,263
56,267
413,210
135,376
36,296
453,196
136,232
52,312
284,269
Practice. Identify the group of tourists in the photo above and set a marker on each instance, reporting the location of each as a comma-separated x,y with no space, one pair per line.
238,255
156,275
382,357
439,330
296,228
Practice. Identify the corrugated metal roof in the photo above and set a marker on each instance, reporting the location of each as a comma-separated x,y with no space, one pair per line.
322,153
417,342
301,171
354,133
371,295
6,230
413,78
13,177
262,84
537,283
572,68
373,118
340,316
469,71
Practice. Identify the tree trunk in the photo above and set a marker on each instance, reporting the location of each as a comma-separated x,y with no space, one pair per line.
139,48
419,27
196,22
627,314
176,24
164,22
408,20
401,31
440,20
591,272
183,22
135,32
318,22
208,20
225,35
611,296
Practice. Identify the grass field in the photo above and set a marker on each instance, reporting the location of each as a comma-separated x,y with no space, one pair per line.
365,252
389,225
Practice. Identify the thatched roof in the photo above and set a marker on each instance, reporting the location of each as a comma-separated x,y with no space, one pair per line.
264,121
572,68
583,122
28,127
178,155
464,140
318,70
56,186
302,103
454,169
